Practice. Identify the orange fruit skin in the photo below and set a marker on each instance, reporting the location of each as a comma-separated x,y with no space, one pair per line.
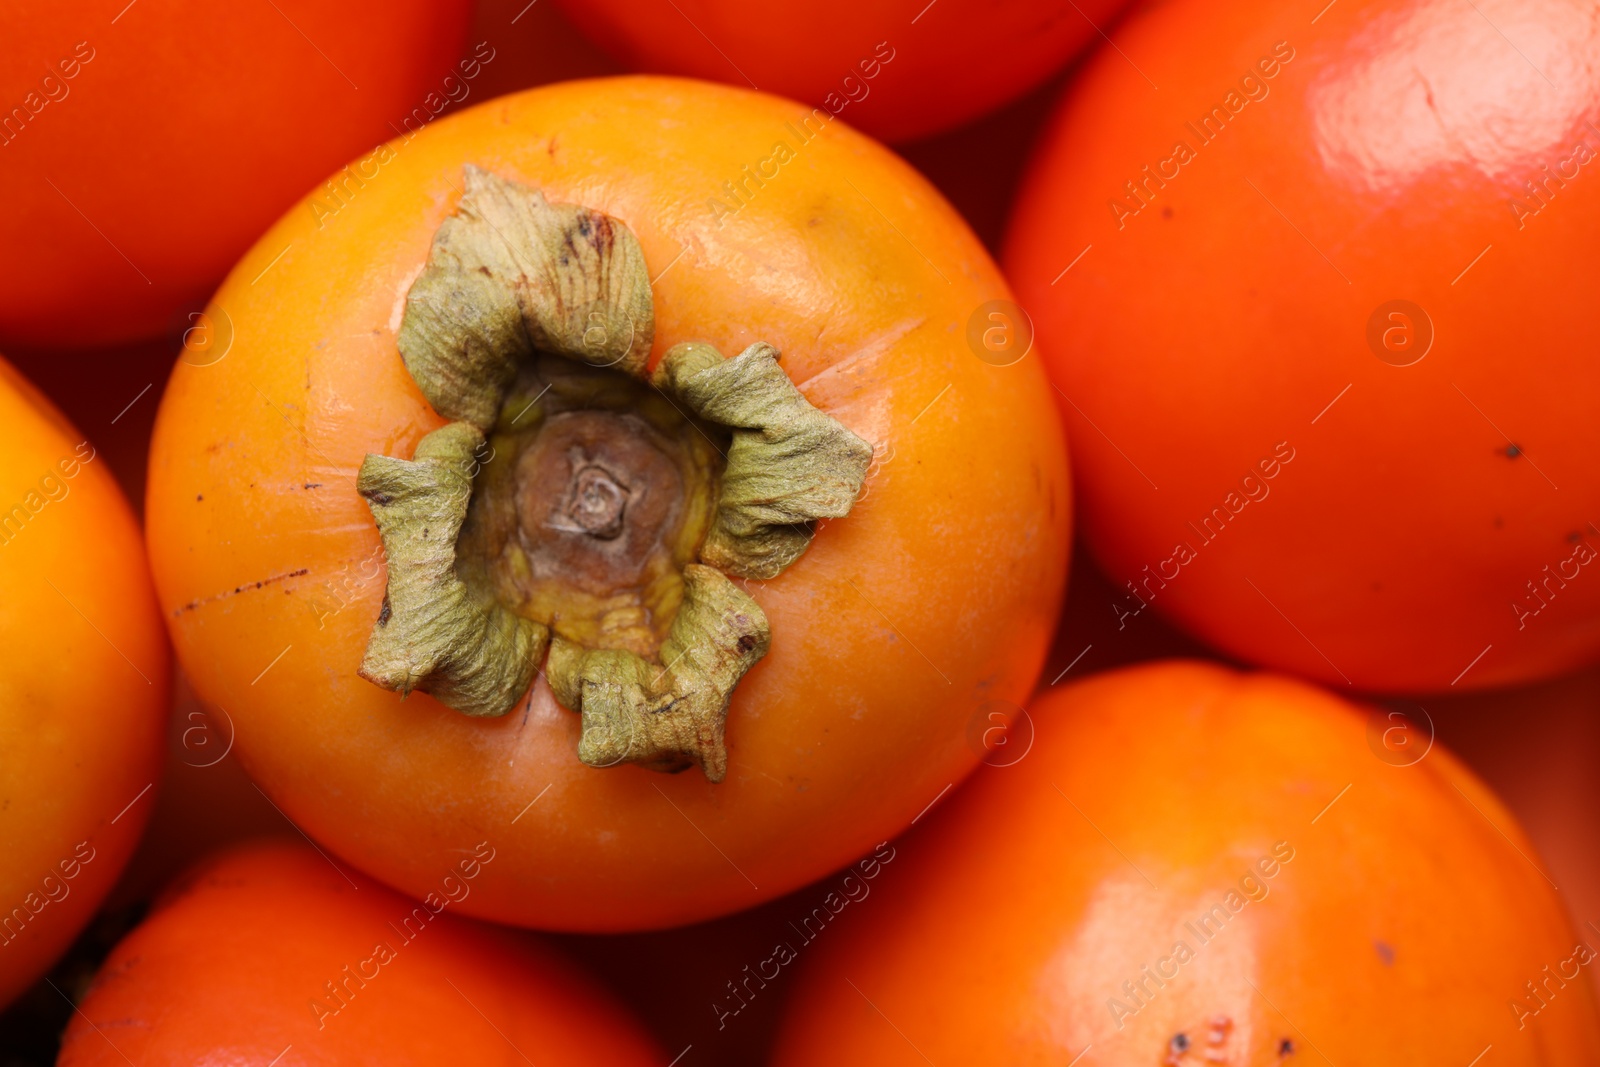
1398,913
184,129
937,593
267,950
882,67
84,685
1418,539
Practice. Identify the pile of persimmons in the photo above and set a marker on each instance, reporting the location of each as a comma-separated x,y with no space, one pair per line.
529,535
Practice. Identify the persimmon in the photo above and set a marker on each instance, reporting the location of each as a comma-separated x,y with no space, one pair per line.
1317,312
886,68
798,571
83,696
1194,865
269,953
147,145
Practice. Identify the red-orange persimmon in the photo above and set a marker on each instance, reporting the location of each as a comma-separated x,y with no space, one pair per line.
883,66
144,146
1320,314
269,954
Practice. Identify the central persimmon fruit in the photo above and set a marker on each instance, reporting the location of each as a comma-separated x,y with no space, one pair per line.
578,514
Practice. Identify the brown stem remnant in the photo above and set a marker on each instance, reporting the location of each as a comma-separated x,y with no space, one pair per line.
575,506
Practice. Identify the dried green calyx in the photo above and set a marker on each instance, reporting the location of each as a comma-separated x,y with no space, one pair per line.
577,513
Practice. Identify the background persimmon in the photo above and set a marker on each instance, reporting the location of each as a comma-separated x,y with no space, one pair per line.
885,68
84,693
1194,865
146,145
269,947
936,594
1270,449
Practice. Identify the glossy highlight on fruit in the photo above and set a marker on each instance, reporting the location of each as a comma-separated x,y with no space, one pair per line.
1194,865
898,621
83,698
269,953
1324,359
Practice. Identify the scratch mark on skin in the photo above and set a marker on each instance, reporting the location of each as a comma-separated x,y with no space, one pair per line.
236,590
880,345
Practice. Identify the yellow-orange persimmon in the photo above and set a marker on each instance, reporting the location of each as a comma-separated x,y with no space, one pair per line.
936,593
1196,866
83,683
268,954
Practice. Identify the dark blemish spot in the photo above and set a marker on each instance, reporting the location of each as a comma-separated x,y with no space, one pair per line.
1286,1047
424,531
1166,212
1499,523
1180,1042
197,496
485,272
380,499
302,572
312,485
384,612
583,227
1385,952
813,222
746,643
1574,537
1513,451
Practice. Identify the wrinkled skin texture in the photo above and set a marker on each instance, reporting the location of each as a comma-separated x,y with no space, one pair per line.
881,66
83,696
1366,911
233,965
937,593
1231,313
133,185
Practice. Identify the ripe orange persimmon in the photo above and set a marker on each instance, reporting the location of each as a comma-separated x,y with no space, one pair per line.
268,953
1196,866
886,68
1318,311
83,696
144,146
936,593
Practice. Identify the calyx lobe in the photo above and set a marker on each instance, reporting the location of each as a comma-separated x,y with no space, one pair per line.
512,278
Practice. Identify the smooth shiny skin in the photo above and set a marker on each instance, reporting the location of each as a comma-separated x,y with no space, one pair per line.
1434,529
1195,866
936,594
84,676
144,146
269,954
881,65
